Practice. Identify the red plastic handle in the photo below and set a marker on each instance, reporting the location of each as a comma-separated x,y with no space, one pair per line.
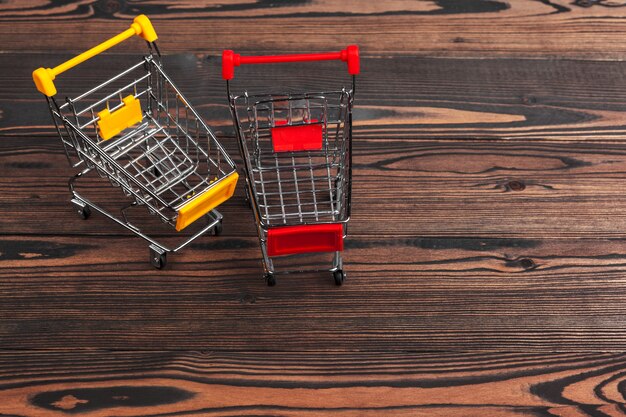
230,60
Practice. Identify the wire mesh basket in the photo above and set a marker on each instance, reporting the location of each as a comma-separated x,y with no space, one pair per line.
137,130
297,153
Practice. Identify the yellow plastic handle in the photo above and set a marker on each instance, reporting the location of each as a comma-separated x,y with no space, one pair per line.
44,77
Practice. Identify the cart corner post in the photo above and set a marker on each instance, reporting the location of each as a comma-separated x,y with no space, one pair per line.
230,60
351,56
44,81
143,27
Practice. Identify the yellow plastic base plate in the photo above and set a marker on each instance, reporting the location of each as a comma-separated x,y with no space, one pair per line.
206,201
110,124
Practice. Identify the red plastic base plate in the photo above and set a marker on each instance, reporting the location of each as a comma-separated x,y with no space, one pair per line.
290,240
306,137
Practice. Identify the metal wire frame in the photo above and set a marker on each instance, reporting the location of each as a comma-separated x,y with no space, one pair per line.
163,161
159,163
302,187
275,182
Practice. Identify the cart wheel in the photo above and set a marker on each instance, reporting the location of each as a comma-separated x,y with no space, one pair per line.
218,228
158,260
81,208
84,212
270,279
339,276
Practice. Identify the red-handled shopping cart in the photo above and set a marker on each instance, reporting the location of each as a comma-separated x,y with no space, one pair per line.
297,160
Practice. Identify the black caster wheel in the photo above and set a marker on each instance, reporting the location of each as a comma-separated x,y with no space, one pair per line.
270,279
84,212
218,229
158,260
339,277
81,208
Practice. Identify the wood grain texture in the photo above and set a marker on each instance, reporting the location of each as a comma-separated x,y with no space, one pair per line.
488,225
397,97
455,243
407,293
48,384
477,28
401,188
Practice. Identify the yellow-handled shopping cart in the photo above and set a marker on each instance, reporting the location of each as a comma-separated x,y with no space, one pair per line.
137,130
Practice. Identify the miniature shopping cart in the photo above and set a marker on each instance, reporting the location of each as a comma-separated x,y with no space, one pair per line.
297,154
138,131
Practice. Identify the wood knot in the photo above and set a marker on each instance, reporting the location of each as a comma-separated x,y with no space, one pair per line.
98,399
585,3
516,185
110,7
527,263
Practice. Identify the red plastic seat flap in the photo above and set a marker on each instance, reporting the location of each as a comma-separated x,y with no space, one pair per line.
290,240
307,137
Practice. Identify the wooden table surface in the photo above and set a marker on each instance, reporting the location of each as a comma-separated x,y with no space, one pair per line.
487,252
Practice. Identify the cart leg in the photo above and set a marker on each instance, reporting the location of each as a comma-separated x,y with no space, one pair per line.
268,267
218,229
82,208
158,257
338,274
270,279
215,218
247,196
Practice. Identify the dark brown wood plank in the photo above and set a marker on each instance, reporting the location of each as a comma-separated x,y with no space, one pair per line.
397,97
401,188
479,28
402,294
568,190
425,212
513,240
311,384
